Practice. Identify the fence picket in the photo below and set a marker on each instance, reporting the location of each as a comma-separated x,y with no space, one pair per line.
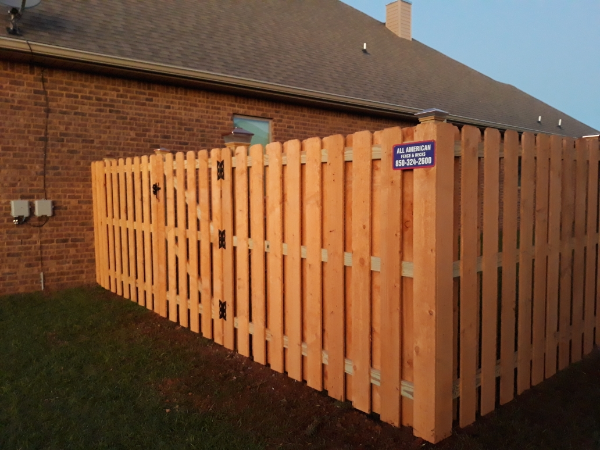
147,225
594,147
314,306
155,179
333,269
540,264
130,231
566,256
139,238
101,225
275,257
95,199
242,255
593,243
303,265
159,243
348,269
581,180
489,310
117,227
181,244
391,280
192,217
361,271
124,230
257,232
509,267
469,296
591,153
170,235
376,244
204,183
217,254
456,281
293,263
111,226
525,263
554,212
228,264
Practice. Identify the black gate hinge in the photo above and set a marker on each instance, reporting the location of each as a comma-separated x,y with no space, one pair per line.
220,170
222,310
221,238
155,189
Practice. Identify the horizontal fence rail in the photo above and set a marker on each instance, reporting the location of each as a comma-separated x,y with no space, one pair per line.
319,260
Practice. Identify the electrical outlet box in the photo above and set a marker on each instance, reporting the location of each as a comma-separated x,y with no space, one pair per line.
19,208
43,208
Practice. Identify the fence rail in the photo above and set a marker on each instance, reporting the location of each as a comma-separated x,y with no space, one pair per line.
424,295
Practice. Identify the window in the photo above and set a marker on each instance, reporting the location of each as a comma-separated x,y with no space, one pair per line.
260,127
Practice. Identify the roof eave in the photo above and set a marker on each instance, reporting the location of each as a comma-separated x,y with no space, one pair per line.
61,57
66,58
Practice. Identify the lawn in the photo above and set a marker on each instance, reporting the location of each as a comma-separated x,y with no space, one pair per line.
79,371
83,369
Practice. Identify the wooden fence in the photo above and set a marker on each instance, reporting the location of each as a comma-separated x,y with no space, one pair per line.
381,286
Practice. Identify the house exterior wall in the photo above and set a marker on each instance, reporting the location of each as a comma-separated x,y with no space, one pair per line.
94,117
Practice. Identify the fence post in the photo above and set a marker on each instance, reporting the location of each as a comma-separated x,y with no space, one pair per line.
433,281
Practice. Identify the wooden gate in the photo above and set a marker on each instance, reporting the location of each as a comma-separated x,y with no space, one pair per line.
277,253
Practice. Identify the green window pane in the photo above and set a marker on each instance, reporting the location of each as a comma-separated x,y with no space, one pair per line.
260,128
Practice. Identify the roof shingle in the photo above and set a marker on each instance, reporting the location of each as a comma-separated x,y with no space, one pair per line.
314,45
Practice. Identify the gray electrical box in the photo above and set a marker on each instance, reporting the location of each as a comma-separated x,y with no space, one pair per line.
19,208
43,208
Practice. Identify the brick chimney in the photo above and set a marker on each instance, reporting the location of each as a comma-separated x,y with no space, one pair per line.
398,18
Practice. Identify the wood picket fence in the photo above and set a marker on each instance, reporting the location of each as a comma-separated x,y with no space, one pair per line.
417,294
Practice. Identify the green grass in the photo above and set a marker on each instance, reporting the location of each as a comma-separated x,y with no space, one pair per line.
85,369
76,373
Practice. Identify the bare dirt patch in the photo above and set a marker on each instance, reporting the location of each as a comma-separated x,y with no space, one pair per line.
561,413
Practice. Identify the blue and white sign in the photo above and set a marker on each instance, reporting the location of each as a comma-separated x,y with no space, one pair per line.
415,155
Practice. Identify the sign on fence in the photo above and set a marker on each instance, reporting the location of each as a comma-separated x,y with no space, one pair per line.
414,155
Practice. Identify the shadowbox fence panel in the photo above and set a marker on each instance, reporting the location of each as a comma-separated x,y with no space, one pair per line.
276,253
426,296
526,298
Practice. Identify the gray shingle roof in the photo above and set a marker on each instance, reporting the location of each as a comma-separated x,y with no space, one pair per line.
310,44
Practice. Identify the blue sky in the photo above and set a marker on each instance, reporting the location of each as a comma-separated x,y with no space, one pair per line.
547,48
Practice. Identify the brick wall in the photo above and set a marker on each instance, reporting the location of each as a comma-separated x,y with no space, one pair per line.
92,117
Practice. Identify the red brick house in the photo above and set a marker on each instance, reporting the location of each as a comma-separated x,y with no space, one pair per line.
94,79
